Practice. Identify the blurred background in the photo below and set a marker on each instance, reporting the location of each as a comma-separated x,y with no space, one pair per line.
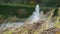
16,10
16,16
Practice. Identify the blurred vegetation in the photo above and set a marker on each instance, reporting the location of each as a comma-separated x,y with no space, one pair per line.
24,8
9,10
12,7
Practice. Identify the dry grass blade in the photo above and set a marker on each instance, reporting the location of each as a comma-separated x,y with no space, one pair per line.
59,11
47,22
57,24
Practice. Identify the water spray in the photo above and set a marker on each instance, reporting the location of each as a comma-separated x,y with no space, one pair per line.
35,16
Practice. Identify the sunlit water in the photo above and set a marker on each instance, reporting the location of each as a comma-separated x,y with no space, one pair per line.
9,24
13,24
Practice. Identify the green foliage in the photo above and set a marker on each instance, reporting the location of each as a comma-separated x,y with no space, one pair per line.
2,16
11,10
10,7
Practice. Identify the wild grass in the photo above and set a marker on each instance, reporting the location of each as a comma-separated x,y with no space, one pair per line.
41,28
57,24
